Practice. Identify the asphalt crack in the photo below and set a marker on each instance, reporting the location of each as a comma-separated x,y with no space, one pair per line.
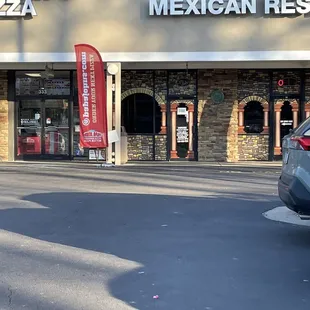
10,295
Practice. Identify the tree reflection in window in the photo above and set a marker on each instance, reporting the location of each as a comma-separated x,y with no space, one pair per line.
253,117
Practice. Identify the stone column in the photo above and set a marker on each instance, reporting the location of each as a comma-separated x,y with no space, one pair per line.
118,114
109,114
191,109
295,110
114,111
307,109
266,117
173,110
4,130
232,135
241,118
163,109
277,108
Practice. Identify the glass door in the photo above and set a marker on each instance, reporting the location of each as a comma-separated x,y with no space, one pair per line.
29,130
286,118
182,129
56,127
43,128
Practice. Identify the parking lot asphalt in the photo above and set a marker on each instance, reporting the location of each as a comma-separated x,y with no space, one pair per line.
148,237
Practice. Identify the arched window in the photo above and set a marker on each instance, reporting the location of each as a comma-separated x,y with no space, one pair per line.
253,117
141,114
287,112
286,119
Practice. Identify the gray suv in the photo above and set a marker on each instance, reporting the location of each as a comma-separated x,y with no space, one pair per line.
294,183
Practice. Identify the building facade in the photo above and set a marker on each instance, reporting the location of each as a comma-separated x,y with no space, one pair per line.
200,87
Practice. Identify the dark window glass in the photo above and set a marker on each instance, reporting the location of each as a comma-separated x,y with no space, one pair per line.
286,119
253,117
307,133
141,114
286,112
34,83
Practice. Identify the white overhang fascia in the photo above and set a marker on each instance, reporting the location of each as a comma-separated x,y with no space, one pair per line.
162,57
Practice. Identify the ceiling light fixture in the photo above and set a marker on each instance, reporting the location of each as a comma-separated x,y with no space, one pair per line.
48,73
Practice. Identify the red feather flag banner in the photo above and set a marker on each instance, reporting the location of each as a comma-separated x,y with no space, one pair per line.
92,97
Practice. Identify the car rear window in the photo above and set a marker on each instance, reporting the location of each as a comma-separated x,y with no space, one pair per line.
303,128
307,133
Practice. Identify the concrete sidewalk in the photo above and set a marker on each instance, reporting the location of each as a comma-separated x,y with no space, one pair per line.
87,164
153,167
209,164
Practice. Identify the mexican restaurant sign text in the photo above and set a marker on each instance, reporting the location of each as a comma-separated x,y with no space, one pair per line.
217,7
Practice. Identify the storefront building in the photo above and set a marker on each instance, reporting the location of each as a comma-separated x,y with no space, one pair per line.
196,80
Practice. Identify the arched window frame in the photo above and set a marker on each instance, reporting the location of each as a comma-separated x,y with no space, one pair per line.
160,101
277,109
173,110
307,109
243,103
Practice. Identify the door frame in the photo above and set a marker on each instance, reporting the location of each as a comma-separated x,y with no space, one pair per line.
273,123
17,98
274,97
183,99
43,155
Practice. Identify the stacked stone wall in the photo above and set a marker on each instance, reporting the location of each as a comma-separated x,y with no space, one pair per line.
253,83
253,147
291,80
218,122
307,86
182,83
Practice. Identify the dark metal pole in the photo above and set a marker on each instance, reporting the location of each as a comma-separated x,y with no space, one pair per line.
154,118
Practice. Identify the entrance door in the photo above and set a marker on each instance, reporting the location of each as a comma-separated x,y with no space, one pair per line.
182,130
43,129
286,118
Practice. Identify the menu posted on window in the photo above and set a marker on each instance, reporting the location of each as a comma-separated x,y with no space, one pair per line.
92,97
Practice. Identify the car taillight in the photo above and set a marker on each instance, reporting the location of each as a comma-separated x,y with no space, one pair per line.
300,143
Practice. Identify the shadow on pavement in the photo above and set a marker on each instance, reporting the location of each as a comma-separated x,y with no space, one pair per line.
196,253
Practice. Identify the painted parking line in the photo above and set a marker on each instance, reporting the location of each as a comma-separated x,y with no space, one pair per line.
285,215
